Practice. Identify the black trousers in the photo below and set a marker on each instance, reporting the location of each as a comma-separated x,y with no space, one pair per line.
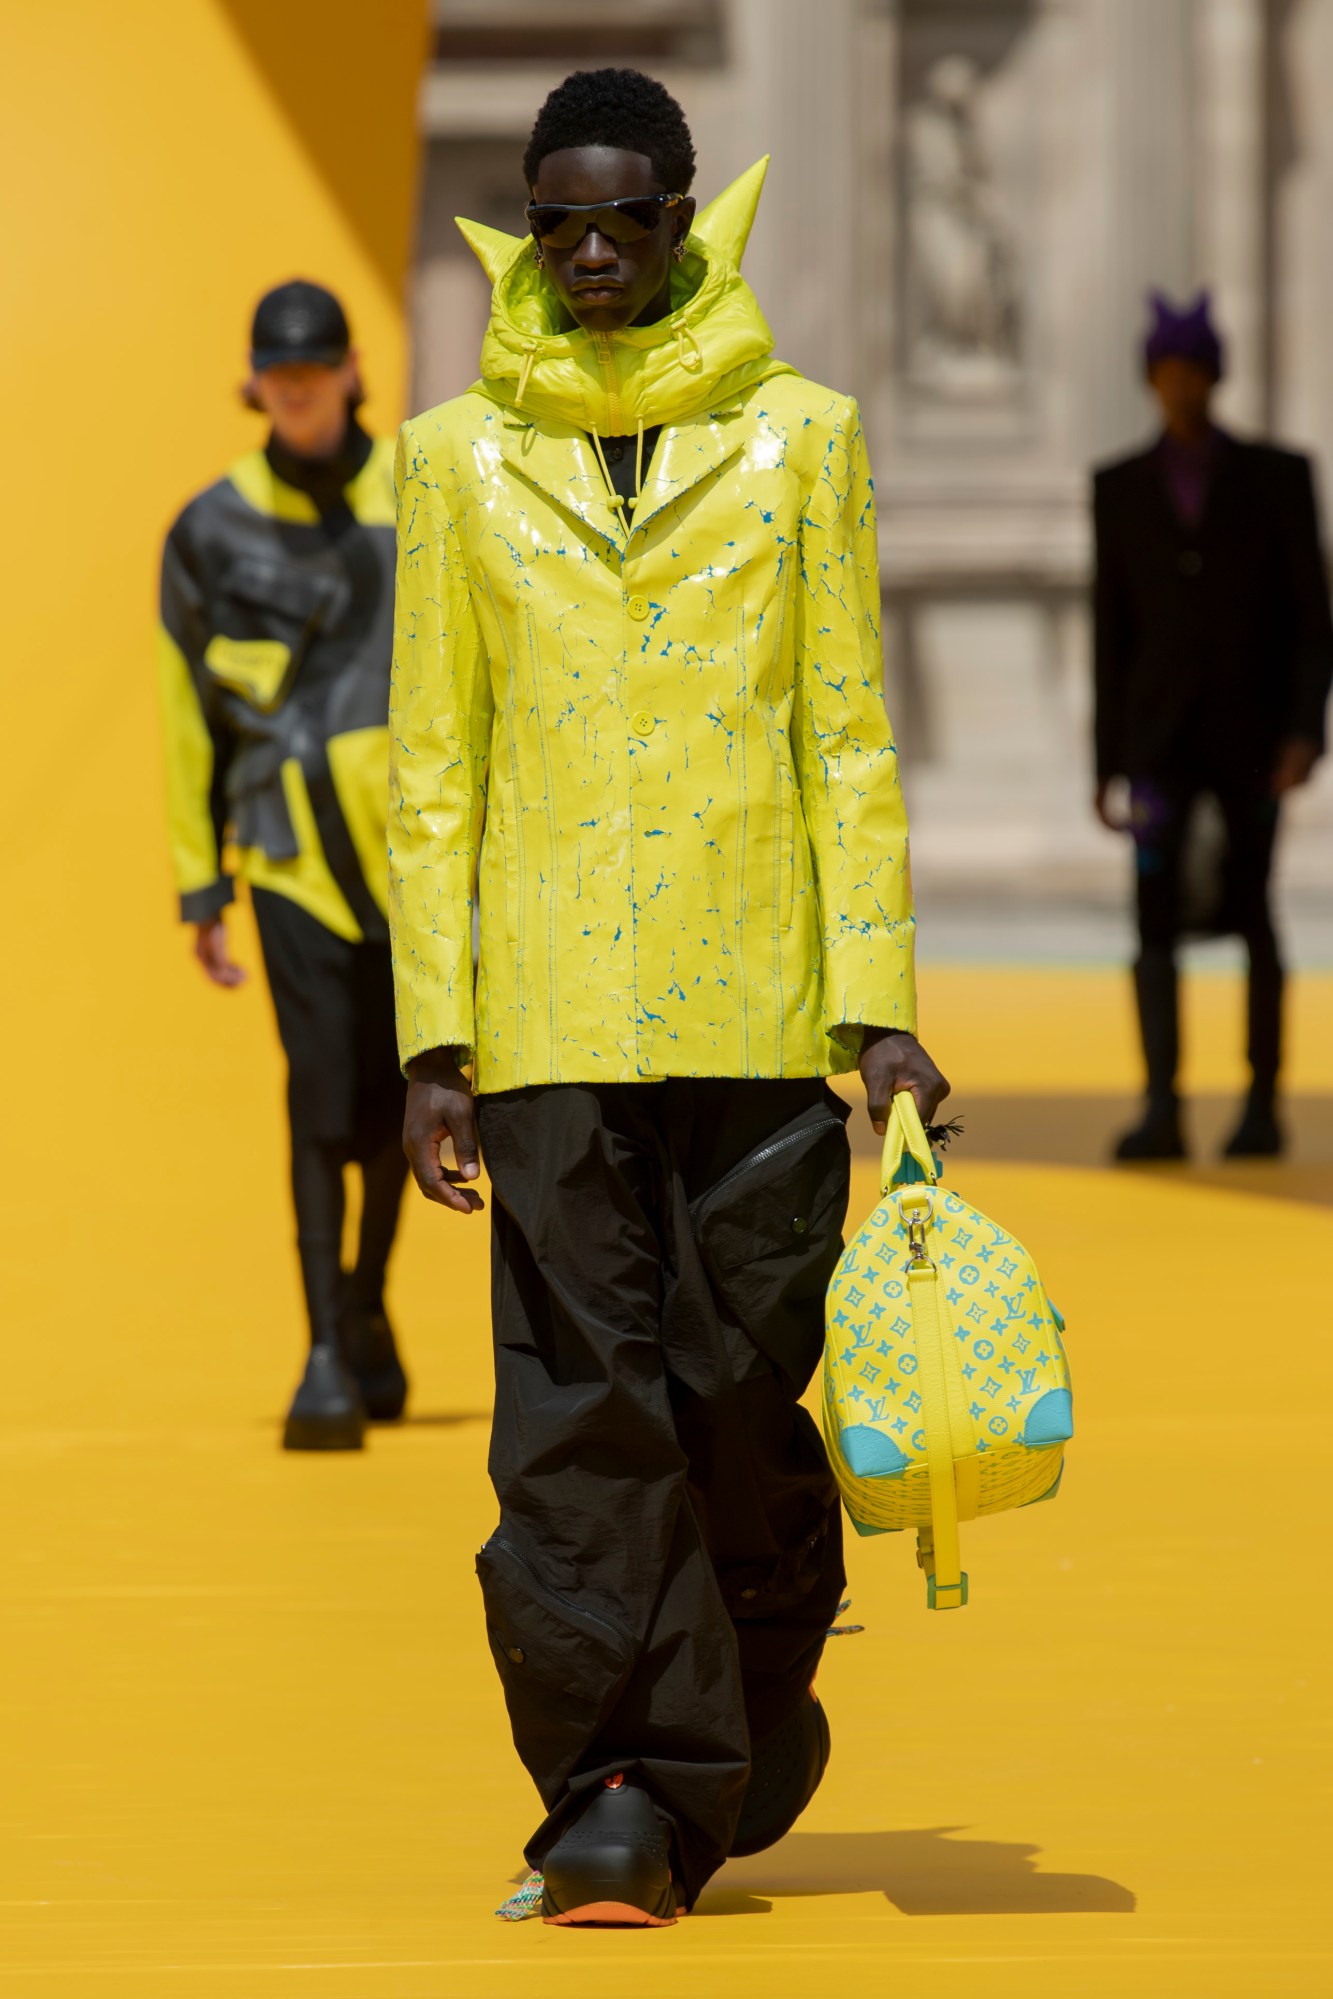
334,1005
669,1553
1161,810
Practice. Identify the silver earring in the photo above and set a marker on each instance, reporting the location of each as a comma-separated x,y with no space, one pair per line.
678,252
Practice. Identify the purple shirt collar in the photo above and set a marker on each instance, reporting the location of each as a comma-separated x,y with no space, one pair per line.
1188,471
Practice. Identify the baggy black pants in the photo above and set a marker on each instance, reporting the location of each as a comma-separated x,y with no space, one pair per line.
669,1553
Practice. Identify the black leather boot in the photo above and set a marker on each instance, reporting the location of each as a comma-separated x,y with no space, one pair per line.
612,1864
1156,990
1258,1135
327,1413
367,1336
786,1769
1157,1135
372,1356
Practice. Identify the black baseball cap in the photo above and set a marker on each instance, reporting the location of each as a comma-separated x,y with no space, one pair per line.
298,322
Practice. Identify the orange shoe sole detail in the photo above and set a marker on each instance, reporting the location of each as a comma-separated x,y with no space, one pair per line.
621,1915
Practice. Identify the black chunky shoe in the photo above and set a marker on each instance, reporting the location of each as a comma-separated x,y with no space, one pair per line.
786,1769
371,1354
1157,1136
612,1864
1258,1135
327,1413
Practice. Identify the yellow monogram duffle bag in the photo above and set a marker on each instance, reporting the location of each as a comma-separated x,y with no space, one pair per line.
946,1386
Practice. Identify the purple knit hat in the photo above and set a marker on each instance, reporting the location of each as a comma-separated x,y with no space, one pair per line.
1188,335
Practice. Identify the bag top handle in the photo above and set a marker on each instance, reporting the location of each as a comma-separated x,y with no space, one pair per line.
907,1154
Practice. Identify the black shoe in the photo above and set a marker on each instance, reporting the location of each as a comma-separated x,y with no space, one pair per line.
1257,1136
327,1413
368,1345
786,1769
612,1864
1158,1136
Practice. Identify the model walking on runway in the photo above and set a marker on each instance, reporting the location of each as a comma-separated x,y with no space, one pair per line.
274,653
638,713
1214,651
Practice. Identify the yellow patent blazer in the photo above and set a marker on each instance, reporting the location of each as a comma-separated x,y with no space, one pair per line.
657,755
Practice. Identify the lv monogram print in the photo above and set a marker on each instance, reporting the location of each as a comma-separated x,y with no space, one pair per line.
1006,1371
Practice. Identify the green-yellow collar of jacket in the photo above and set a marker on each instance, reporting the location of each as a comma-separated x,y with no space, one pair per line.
713,345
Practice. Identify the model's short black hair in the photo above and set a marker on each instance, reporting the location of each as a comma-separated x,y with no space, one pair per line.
615,107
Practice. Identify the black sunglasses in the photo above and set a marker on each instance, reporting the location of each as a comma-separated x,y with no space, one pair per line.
564,225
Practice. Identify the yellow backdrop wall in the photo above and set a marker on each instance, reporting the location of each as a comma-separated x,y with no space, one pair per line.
164,162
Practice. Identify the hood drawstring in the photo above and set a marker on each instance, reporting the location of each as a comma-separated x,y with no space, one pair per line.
617,501
529,356
691,361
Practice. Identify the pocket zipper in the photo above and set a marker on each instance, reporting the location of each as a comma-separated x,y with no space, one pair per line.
544,1589
754,1159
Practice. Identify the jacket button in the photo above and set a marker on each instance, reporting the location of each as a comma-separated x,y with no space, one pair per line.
638,607
799,1225
515,1655
643,723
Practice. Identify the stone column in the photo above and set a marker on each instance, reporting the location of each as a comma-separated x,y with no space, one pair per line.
798,62
1302,305
1230,167
1142,53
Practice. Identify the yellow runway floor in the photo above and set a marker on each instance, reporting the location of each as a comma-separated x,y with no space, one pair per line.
253,1744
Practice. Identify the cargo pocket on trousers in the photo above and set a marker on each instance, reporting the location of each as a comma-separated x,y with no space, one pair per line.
770,1235
561,1664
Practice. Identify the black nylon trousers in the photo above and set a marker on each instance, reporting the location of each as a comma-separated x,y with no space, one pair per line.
669,1553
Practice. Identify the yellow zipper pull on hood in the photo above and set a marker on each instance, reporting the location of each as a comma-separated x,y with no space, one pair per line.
712,346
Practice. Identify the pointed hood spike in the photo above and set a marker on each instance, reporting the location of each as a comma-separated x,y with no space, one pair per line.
495,249
711,347
725,225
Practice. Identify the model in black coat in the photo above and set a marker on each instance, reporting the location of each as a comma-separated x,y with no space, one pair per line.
1213,639
1213,658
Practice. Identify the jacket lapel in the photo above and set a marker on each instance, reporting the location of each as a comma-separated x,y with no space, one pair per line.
1221,487
560,463
1155,494
687,453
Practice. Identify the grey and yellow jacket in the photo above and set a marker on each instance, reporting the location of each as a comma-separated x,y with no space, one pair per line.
274,654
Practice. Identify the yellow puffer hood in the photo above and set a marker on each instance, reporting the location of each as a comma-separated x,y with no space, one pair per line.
714,343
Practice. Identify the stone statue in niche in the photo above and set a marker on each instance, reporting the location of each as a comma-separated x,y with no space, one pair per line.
962,273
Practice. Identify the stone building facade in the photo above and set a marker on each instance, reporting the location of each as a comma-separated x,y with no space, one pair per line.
967,202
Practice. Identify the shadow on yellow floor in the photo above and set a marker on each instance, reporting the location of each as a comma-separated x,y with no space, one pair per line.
932,1872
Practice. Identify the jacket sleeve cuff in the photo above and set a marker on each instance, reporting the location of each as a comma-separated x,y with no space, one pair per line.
457,1051
201,905
421,1033
871,982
